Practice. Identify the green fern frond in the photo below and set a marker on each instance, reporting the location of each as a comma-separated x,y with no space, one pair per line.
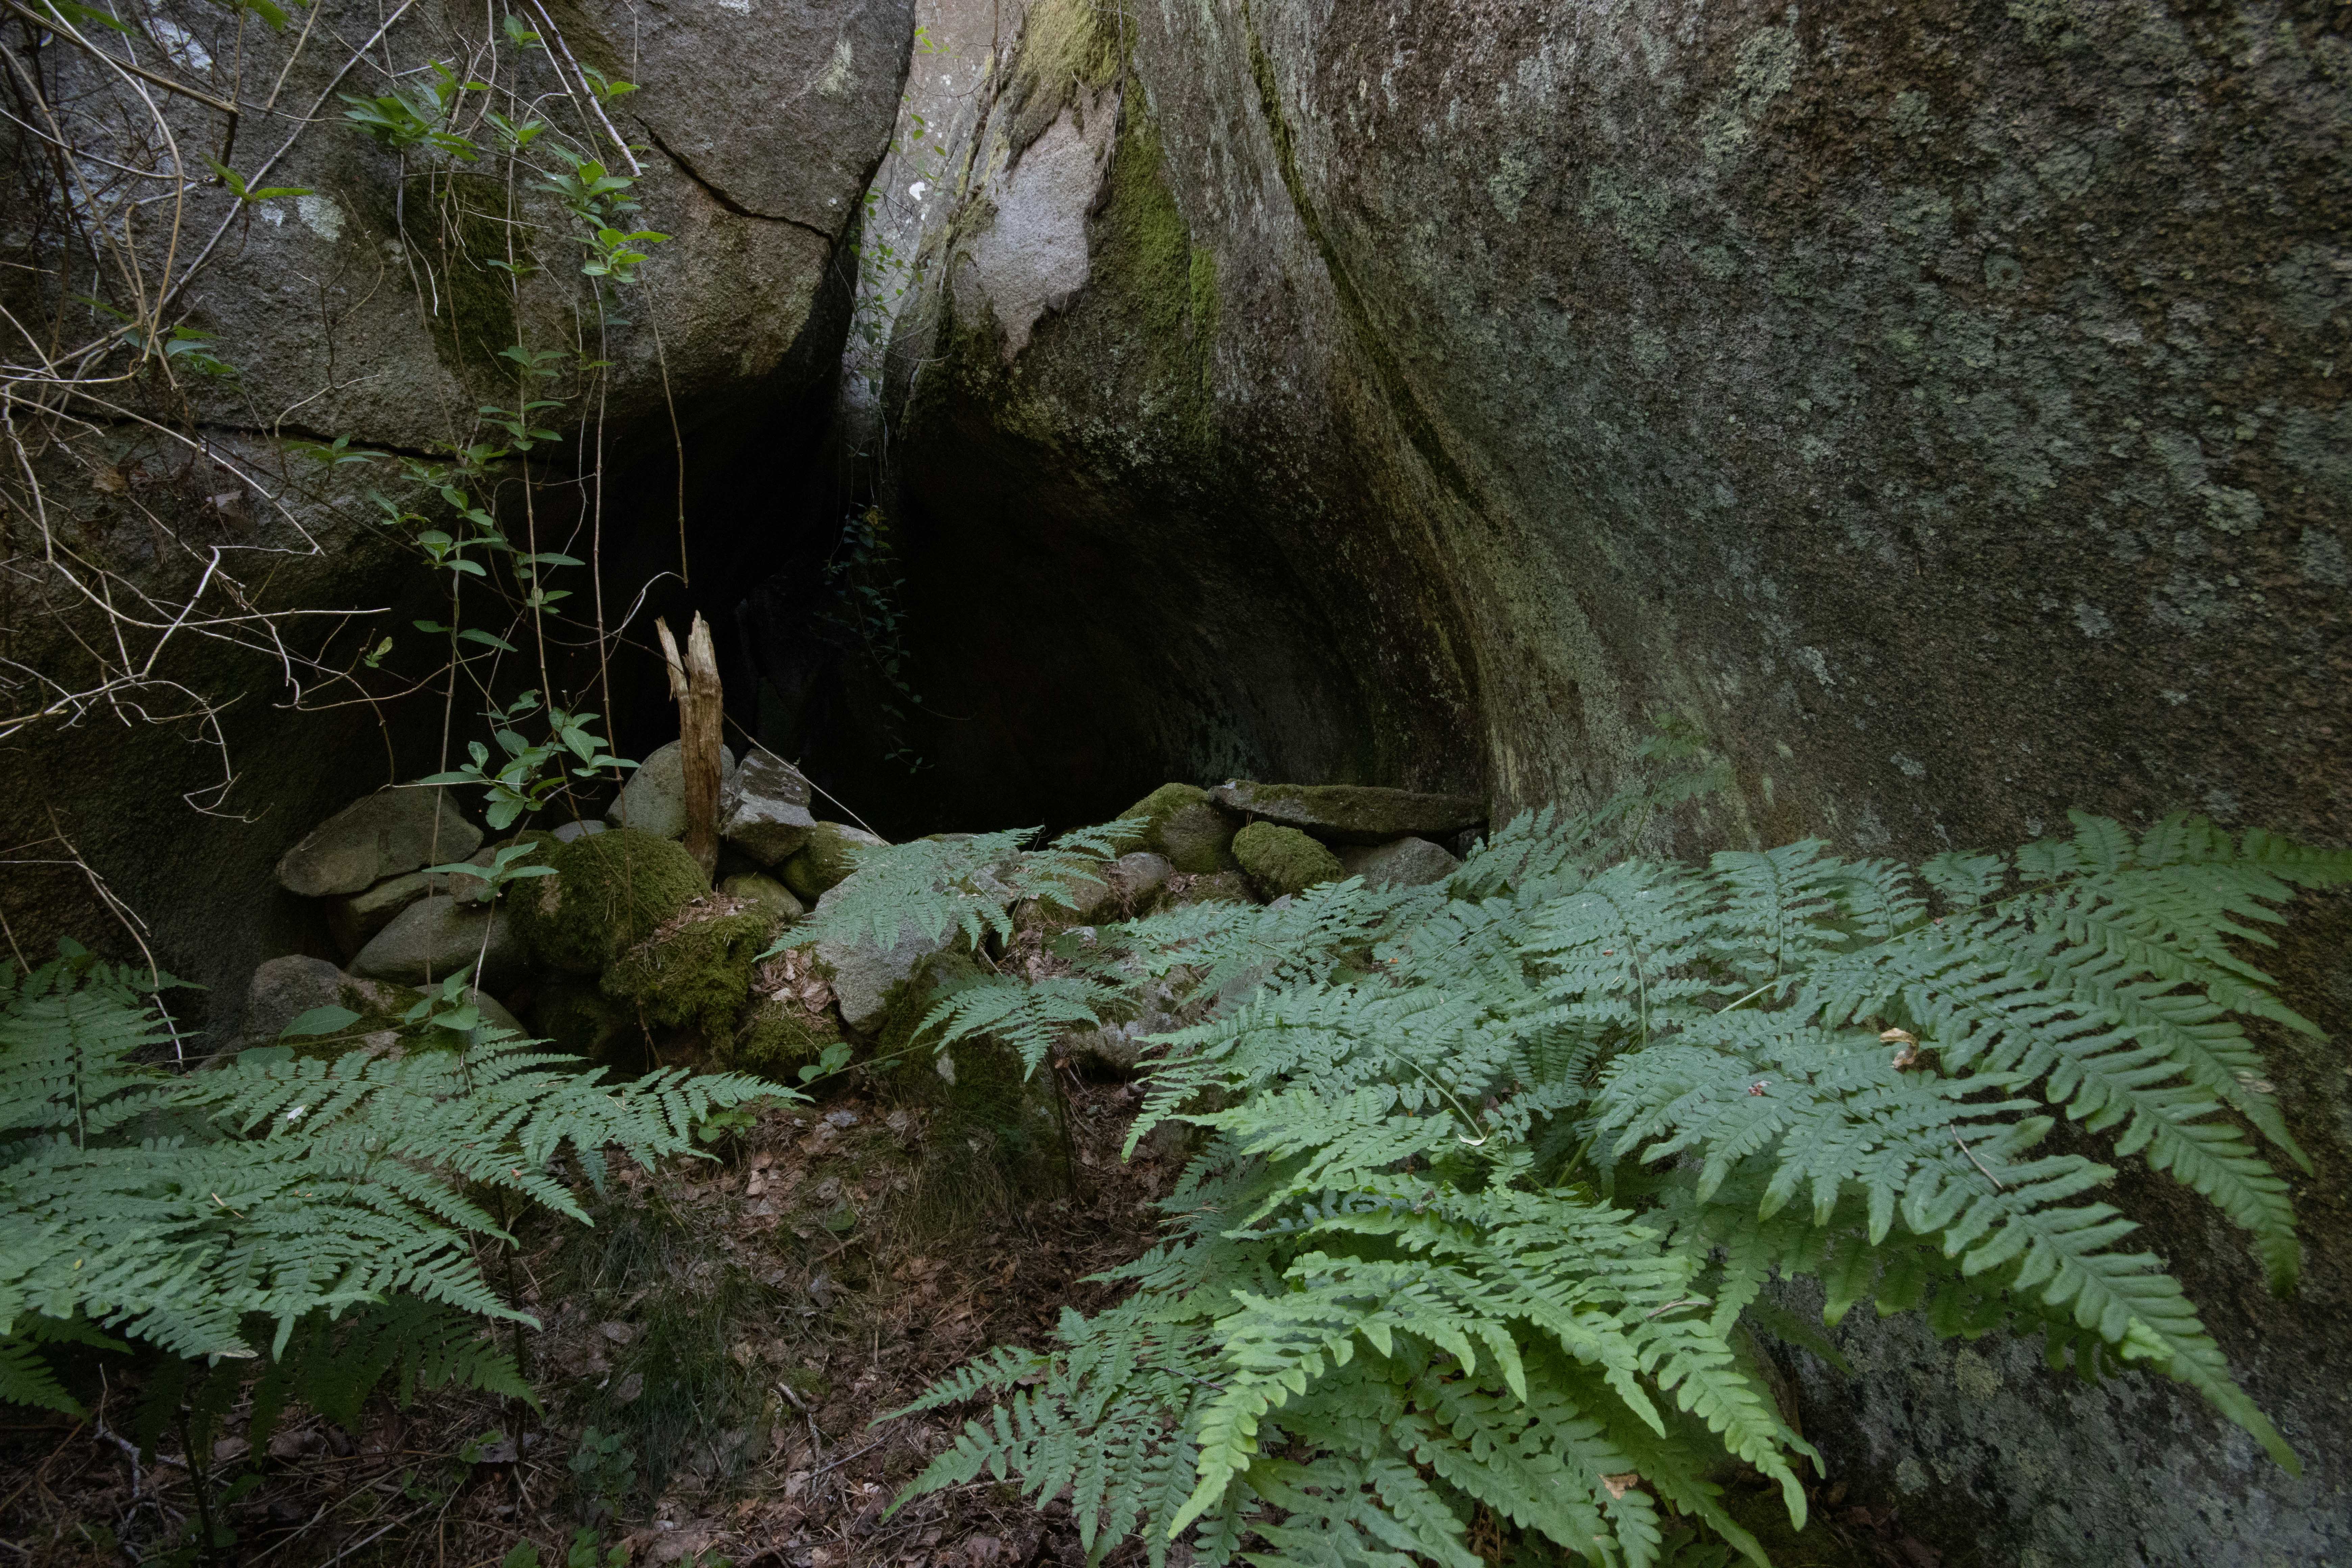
288,1190
1499,1171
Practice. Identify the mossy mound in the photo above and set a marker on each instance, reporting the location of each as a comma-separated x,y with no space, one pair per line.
1184,823
989,1104
574,1016
696,969
610,892
825,861
776,1038
1283,860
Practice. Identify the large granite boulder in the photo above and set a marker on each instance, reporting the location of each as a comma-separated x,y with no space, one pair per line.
1934,413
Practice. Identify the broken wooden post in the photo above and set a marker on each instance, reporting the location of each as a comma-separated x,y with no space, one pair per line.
694,687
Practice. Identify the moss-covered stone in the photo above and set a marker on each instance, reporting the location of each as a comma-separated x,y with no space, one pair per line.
573,1015
825,861
1184,823
760,889
1354,814
1283,860
610,892
985,1097
1214,888
776,1038
696,969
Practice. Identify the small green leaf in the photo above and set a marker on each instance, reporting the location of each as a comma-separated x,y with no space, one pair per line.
327,1020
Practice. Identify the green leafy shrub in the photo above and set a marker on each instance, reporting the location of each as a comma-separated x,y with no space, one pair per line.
1499,1170
325,1216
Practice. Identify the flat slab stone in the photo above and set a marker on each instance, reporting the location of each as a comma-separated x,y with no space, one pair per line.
386,834
766,814
1353,813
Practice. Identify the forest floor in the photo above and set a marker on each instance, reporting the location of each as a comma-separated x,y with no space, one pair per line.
717,1354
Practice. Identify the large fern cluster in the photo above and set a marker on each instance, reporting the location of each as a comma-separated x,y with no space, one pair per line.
1497,1171
273,1203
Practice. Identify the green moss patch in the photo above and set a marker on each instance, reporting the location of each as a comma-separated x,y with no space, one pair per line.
825,861
777,1037
610,892
1184,823
1283,860
696,970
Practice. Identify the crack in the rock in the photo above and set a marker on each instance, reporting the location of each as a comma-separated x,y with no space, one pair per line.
721,197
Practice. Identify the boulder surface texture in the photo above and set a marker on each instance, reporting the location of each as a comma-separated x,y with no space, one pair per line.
1937,409
433,938
766,809
653,800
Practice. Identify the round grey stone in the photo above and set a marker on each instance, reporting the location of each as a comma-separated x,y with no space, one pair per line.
435,937
653,800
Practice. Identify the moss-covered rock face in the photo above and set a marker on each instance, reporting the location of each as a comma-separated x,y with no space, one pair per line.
1283,860
609,892
825,861
757,888
696,970
1183,823
1353,813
